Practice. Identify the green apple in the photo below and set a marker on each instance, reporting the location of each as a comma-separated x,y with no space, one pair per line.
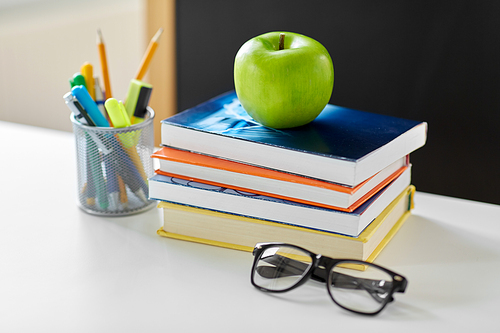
283,82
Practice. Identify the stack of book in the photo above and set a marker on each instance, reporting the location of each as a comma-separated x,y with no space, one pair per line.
340,186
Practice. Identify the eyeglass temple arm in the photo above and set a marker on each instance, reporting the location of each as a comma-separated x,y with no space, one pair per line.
282,267
350,282
291,267
319,274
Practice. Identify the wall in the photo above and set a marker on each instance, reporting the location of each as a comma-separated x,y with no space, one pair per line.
430,61
44,42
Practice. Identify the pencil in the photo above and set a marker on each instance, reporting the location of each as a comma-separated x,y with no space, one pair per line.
123,191
146,59
104,64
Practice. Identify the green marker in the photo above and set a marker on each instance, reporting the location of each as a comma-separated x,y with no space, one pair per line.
77,80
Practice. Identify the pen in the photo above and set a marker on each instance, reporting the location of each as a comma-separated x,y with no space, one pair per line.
153,44
80,114
77,80
137,100
89,188
104,64
88,73
82,95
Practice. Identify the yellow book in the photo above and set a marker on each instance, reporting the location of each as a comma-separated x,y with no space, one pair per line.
242,233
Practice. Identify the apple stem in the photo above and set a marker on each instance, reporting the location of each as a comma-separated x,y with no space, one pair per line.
281,44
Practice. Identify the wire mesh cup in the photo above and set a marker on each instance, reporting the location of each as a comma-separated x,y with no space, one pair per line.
113,166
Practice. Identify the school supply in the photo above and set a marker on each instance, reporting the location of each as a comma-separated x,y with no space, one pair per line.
113,163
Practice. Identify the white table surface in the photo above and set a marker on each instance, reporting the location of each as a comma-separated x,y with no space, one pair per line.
62,270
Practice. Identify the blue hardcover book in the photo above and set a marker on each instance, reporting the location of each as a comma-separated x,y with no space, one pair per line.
341,145
217,198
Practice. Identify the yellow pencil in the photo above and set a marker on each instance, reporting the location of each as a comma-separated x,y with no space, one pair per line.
88,73
153,44
104,65
123,191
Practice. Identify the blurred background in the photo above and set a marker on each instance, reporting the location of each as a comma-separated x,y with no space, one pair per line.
426,60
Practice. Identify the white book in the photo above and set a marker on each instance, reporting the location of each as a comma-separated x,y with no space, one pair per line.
242,233
249,178
226,200
341,145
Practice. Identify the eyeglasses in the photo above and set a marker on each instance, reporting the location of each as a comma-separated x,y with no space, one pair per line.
354,285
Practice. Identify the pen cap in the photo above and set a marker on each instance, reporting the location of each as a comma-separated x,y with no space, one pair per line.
116,112
137,99
77,80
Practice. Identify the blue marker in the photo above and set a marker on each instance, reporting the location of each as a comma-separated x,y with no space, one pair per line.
83,96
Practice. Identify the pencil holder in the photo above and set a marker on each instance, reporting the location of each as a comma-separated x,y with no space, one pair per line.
113,167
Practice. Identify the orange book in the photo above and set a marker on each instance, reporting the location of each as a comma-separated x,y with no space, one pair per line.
249,178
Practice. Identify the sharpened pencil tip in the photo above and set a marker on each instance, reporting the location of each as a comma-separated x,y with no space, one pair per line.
99,36
157,35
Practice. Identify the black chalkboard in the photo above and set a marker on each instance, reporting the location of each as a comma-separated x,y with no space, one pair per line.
434,61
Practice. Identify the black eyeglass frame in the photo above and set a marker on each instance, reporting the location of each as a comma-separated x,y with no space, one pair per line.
319,269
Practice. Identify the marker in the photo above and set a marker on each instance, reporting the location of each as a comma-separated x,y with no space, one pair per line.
77,80
131,171
104,64
148,55
119,118
88,73
117,113
82,95
136,159
137,100
131,175
80,114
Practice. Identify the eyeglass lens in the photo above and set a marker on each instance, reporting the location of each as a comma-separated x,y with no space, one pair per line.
359,287
354,285
281,267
